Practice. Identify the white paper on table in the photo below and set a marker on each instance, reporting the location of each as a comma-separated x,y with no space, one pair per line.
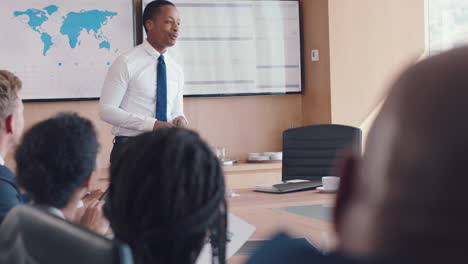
240,232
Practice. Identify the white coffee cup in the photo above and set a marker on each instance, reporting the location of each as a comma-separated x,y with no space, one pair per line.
330,182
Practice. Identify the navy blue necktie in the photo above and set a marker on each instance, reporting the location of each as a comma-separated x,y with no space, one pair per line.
161,90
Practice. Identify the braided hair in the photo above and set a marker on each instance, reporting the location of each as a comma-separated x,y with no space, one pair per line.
167,198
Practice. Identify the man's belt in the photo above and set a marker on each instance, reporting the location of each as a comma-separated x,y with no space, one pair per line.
122,139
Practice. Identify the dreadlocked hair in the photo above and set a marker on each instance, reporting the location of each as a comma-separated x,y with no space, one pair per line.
167,197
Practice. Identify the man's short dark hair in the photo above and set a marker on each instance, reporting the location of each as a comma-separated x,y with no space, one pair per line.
55,158
166,195
10,85
152,9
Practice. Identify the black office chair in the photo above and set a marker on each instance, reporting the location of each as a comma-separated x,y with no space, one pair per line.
310,152
30,235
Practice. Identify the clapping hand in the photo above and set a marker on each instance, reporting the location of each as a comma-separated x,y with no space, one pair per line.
161,124
180,122
94,219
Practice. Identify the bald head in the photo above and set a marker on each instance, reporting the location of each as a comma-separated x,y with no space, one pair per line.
408,196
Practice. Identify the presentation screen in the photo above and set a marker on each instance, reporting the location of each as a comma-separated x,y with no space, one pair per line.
231,48
61,50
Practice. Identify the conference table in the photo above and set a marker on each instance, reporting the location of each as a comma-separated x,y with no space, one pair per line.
267,212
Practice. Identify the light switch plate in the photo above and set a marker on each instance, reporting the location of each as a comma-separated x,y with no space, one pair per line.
315,55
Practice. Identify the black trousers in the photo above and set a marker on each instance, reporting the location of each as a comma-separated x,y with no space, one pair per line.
119,143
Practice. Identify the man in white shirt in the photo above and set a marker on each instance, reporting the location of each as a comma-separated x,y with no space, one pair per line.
143,90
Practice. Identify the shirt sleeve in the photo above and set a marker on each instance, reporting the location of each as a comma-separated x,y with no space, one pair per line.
178,109
9,198
113,92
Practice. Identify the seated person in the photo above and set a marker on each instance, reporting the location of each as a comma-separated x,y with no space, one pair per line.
167,198
55,161
11,127
406,198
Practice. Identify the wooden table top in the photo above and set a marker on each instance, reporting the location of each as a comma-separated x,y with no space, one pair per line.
256,209
246,166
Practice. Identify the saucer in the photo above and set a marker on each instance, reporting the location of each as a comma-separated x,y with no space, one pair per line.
257,158
229,162
320,189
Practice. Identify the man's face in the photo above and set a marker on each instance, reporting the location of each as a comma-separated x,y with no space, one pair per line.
163,29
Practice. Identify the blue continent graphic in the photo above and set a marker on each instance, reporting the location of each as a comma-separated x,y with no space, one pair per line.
36,20
47,40
51,9
73,24
104,45
92,20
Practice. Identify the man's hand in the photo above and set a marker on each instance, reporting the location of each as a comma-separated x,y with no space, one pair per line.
161,124
96,194
93,218
180,122
87,199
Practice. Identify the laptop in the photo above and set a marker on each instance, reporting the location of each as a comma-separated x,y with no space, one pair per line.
288,186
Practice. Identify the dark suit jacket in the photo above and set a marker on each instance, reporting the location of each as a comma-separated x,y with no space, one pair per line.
9,192
282,249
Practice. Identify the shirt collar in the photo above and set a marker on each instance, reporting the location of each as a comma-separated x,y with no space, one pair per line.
56,212
152,51
2,161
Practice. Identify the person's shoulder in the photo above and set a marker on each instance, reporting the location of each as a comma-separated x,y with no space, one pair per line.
132,54
6,174
340,258
8,188
283,249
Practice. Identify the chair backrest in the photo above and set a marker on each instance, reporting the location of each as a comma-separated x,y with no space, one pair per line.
310,152
30,235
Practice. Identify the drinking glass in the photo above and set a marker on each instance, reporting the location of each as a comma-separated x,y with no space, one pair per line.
220,153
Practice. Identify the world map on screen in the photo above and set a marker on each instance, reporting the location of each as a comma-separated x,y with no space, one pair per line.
71,25
63,49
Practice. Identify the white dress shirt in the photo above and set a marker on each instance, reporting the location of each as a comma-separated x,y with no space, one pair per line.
128,98
55,211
